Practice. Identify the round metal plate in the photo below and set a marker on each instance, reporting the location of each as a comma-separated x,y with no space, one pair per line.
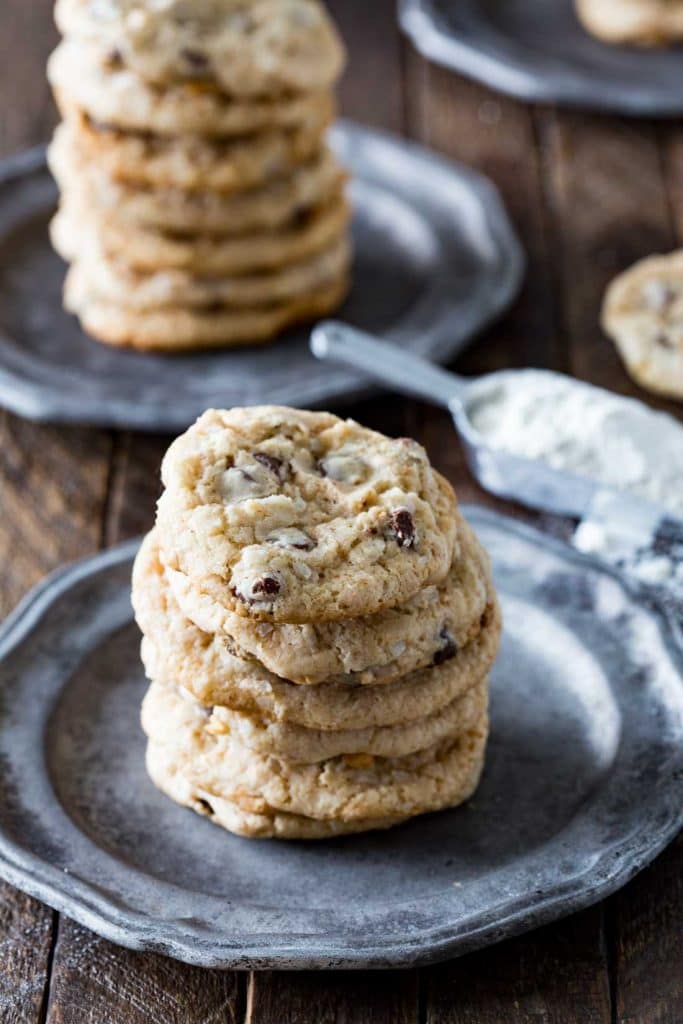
537,50
581,788
436,260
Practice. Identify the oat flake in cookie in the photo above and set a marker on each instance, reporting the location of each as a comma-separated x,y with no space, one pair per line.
288,516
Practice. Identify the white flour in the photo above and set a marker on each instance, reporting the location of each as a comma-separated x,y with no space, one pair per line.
583,430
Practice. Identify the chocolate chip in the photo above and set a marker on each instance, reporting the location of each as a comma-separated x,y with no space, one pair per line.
197,61
447,650
276,466
263,589
664,341
204,805
267,585
403,528
114,59
194,57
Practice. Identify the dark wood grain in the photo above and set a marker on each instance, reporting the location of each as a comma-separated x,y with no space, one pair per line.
557,975
646,921
26,935
362,997
94,982
496,136
608,207
371,90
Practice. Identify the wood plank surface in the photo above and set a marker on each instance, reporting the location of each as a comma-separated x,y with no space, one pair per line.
52,491
556,975
360,997
95,982
588,195
646,920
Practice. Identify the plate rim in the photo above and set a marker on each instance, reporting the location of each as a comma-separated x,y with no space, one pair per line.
26,394
81,900
424,26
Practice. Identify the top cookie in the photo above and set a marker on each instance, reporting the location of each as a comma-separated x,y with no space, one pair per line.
290,516
256,48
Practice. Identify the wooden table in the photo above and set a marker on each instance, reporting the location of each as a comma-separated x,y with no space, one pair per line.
588,195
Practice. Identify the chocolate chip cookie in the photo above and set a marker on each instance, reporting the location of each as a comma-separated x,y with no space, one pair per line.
287,516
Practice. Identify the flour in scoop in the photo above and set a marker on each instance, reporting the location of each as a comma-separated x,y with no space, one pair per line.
583,430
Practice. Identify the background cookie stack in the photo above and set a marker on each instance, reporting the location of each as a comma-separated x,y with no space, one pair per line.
319,623
200,203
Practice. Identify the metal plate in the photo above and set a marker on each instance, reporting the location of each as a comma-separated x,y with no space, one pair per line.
581,790
436,260
537,50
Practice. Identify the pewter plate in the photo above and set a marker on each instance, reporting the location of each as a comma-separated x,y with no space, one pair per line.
582,786
436,260
537,50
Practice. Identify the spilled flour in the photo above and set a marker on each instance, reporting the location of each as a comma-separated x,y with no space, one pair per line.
583,430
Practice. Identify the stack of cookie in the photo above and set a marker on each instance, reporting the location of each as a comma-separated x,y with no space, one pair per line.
200,205
319,623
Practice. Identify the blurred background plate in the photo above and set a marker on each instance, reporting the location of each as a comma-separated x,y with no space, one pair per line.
537,50
436,260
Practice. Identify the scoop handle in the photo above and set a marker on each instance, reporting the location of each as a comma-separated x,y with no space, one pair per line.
384,362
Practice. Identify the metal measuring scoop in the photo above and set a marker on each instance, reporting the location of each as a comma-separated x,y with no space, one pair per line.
635,521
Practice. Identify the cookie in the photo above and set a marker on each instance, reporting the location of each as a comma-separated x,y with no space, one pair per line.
643,314
192,162
301,745
75,229
637,22
167,775
265,208
345,789
255,48
110,93
280,515
369,650
110,280
433,629
176,210
175,652
178,329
